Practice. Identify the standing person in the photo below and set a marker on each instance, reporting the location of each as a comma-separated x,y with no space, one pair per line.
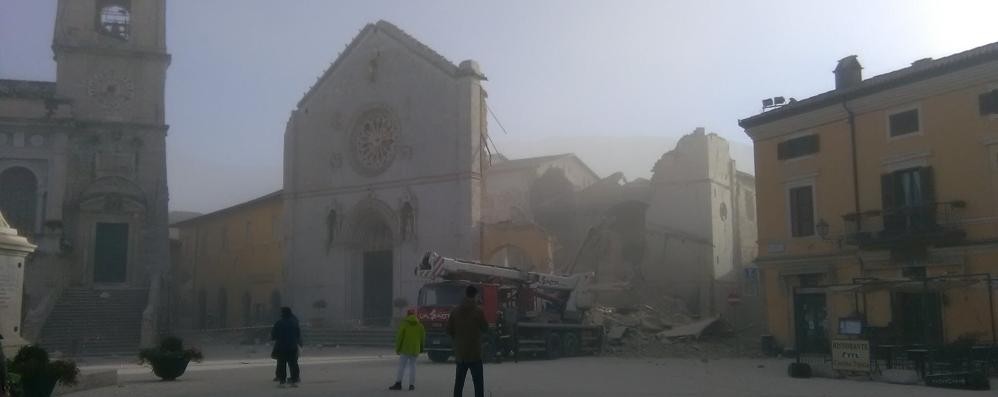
287,340
465,326
3,372
408,345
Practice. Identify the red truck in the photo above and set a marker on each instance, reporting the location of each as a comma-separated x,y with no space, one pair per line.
529,313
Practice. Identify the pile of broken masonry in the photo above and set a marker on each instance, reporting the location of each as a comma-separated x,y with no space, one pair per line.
667,329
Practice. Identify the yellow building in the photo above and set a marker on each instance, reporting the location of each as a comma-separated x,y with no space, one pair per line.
878,205
228,266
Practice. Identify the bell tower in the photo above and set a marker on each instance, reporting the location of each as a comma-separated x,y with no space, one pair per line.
111,69
112,59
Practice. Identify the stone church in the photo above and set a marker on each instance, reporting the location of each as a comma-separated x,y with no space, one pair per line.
83,175
384,158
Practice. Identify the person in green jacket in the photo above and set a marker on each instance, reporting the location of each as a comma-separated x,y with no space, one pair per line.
408,345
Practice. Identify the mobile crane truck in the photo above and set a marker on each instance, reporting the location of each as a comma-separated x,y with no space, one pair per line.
529,313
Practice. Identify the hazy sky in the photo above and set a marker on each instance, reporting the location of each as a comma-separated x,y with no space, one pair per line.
615,81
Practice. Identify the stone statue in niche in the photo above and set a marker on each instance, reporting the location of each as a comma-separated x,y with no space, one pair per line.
407,221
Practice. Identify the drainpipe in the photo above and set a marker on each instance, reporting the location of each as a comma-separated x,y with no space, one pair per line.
855,180
855,166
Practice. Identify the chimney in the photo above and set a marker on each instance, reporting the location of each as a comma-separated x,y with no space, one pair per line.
848,73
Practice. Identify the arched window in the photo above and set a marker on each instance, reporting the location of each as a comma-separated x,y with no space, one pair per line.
202,309
247,309
223,307
19,198
275,303
114,18
407,221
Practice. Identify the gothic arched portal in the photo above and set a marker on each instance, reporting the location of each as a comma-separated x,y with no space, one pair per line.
374,239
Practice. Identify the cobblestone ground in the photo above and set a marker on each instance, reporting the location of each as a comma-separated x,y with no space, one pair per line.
369,373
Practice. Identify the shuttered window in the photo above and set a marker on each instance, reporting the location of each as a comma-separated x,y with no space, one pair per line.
908,198
801,211
989,103
903,123
797,147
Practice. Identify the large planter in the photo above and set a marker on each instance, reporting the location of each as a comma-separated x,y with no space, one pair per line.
170,368
41,386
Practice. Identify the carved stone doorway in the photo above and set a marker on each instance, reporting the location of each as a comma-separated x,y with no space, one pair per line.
378,281
111,253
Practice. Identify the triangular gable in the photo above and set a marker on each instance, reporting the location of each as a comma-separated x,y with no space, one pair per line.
408,42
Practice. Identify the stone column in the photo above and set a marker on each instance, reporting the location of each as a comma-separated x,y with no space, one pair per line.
14,249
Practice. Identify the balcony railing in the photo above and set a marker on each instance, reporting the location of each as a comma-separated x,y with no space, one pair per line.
936,223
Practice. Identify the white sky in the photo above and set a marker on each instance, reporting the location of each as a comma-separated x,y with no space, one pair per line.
614,81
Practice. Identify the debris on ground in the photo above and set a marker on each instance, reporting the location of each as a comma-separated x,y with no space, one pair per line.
692,330
667,329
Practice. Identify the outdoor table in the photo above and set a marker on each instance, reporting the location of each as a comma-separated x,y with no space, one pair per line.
984,355
918,356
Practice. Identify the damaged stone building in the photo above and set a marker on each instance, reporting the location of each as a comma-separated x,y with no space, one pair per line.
83,176
688,232
386,158
701,218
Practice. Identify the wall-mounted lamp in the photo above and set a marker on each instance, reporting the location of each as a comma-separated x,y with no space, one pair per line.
822,228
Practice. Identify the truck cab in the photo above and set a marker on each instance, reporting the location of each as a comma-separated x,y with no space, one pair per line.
435,303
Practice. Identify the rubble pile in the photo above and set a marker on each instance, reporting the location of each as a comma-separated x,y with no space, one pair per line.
667,329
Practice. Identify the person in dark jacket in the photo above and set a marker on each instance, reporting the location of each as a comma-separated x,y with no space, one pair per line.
466,326
287,340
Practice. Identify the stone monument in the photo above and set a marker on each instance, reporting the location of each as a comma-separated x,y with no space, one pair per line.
14,249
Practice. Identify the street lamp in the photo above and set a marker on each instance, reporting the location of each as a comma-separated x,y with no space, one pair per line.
822,229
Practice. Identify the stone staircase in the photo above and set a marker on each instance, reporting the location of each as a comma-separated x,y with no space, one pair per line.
92,322
372,337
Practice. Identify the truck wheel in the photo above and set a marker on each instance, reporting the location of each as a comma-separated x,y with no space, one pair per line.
570,344
553,348
438,357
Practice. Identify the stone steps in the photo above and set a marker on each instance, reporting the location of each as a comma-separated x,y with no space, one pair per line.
91,322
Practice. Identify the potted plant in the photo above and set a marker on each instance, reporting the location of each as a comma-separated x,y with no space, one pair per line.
169,360
33,375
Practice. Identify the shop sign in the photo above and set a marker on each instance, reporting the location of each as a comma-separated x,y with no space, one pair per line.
851,355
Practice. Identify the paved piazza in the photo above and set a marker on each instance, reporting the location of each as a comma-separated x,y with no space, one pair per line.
369,373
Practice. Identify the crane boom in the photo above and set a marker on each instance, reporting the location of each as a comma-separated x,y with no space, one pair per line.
434,266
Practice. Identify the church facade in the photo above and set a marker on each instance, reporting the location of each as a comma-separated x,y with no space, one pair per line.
83,166
384,158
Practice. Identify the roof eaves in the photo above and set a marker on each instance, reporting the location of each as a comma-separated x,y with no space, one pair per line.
264,198
27,89
527,162
897,78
